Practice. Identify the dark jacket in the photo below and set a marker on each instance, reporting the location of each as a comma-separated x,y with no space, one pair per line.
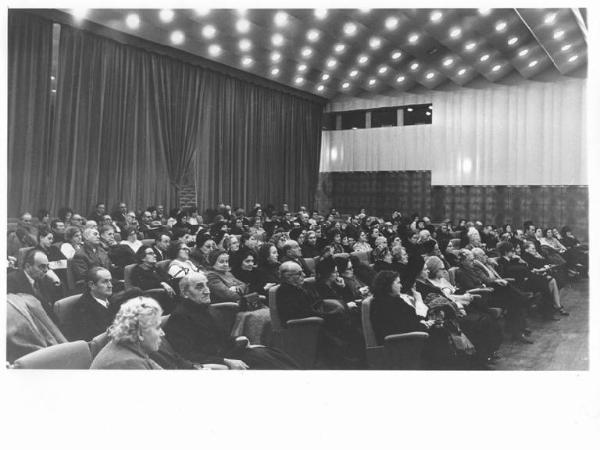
392,315
89,319
196,335
87,257
295,303
302,263
148,278
18,283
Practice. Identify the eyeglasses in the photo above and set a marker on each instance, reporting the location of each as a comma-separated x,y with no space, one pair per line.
151,253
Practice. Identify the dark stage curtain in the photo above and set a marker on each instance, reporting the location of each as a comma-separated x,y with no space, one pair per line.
131,125
29,101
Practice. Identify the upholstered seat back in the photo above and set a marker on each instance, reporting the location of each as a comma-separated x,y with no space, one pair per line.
70,355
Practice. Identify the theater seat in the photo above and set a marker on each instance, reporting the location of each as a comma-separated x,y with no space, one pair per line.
225,313
311,263
399,351
148,242
300,336
164,265
64,309
127,275
70,355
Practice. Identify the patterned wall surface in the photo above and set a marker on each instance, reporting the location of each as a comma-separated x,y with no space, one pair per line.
411,191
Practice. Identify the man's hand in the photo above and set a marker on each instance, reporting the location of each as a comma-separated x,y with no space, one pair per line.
235,364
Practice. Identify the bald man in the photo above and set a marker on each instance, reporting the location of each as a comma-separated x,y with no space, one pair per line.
90,254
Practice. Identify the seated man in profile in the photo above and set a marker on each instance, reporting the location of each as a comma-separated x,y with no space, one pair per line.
90,254
194,333
292,252
93,312
339,342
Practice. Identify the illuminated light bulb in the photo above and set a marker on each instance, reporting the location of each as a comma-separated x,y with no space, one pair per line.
372,82
177,37
382,70
132,21
565,47
375,43
312,35
209,31
214,50
275,71
391,23
246,61
523,52
306,52
500,26
299,80
339,48
484,11
470,46
436,16
413,38
401,78
448,62
302,68
320,13
513,40
484,58
550,18
363,59
277,40
345,85
242,25
79,13
320,88
245,45
414,66
166,15
331,63
397,54
430,75
573,58
354,73
496,68
280,19
275,56
558,34
533,63
455,32
462,71
350,29
325,77
202,11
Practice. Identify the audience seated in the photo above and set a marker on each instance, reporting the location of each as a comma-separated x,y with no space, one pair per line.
268,247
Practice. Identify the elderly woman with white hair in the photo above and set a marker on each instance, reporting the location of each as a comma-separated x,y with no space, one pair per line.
134,334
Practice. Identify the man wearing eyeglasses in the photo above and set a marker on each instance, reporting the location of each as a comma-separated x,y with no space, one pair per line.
35,279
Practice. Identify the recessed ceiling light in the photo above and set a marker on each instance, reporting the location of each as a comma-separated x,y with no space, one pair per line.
320,88
79,13
363,59
462,71
280,19
409,109
320,13
298,80
209,32
448,62
414,66
428,113
513,40
413,38
375,43
436,16
275,56
524,52
401,78
331,63
573,58
214,50
550,18
430,75
382,70
242,25
202,11
325,77
496,68
396,54
277,40
484,57
353,73
558,34
302,68
246,61
306,52
275,71
484,11
339,48
455,32
533,63
245,45
429,107
501,26
372,82
565,47
132,21
312,35
391,23
350,29
177,37
470,46
345,85
166,15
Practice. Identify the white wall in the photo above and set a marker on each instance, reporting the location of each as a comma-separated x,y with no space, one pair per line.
533,133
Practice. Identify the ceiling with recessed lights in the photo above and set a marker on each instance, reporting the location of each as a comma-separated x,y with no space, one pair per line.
333,53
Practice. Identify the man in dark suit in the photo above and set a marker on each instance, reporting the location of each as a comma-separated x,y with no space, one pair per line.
98,214
33,280
119,215
91,254
161,245
93,313
293,252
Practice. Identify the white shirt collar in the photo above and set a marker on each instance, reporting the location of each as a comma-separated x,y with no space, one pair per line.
102,302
